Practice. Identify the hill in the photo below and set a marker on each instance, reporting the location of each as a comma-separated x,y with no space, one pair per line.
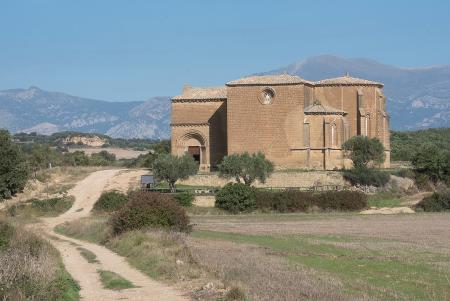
35,110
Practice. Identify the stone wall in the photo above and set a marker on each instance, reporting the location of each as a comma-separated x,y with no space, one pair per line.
278,179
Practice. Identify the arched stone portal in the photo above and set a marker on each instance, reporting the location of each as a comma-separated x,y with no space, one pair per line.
195,144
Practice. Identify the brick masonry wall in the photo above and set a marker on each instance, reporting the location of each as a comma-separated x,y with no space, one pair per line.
242,124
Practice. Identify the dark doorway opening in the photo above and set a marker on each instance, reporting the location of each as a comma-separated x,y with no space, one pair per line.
194,151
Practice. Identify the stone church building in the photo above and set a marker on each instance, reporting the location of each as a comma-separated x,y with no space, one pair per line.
296,123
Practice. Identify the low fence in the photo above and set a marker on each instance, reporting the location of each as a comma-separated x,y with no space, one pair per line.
214,190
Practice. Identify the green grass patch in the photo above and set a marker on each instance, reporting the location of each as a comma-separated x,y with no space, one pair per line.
385,199
88,255
40,208
379,203
114,281
395,275
64,288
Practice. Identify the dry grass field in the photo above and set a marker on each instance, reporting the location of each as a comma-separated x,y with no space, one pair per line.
328,256
292,256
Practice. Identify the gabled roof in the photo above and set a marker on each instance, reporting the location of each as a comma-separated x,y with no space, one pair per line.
196,93
281,79
347,81
320,109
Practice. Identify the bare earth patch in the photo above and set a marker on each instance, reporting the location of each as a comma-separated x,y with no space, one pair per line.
421,229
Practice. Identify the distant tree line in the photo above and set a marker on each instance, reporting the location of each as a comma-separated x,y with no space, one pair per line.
404,144
57,140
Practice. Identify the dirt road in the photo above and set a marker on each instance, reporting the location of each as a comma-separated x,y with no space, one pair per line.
86,192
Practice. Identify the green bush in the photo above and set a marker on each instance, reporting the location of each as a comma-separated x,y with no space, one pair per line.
150,210
341,200
423,181
110,201
185,199
438,201
297,201
283,201
102,158
236,198
366,176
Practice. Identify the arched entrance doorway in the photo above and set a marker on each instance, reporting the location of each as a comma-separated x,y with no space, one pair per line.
195,144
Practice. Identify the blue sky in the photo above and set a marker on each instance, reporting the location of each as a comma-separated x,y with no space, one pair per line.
131,50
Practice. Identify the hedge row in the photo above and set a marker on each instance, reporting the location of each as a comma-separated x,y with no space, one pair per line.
241,198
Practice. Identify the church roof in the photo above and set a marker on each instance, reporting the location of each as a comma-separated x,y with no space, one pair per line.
280,79
196,93
347,81
323,110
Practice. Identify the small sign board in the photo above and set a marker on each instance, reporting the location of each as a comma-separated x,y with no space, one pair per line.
147,181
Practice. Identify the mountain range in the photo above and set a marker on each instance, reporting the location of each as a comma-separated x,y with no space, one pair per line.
417,98
36,110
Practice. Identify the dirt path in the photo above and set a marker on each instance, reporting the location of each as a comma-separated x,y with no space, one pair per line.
86,192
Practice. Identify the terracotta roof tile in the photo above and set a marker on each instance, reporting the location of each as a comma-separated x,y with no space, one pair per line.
346,81
196,93
281,79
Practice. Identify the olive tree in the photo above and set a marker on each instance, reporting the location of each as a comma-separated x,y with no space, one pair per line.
363,150
365,153
246,167
13,167
432,161
169,168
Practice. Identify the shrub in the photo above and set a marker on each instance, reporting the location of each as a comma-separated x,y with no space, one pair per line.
438,201
433,161
235,294
150,210
236,198
341,200
102,158
284,201
185,199
297,201
423,181
366,177
110,201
